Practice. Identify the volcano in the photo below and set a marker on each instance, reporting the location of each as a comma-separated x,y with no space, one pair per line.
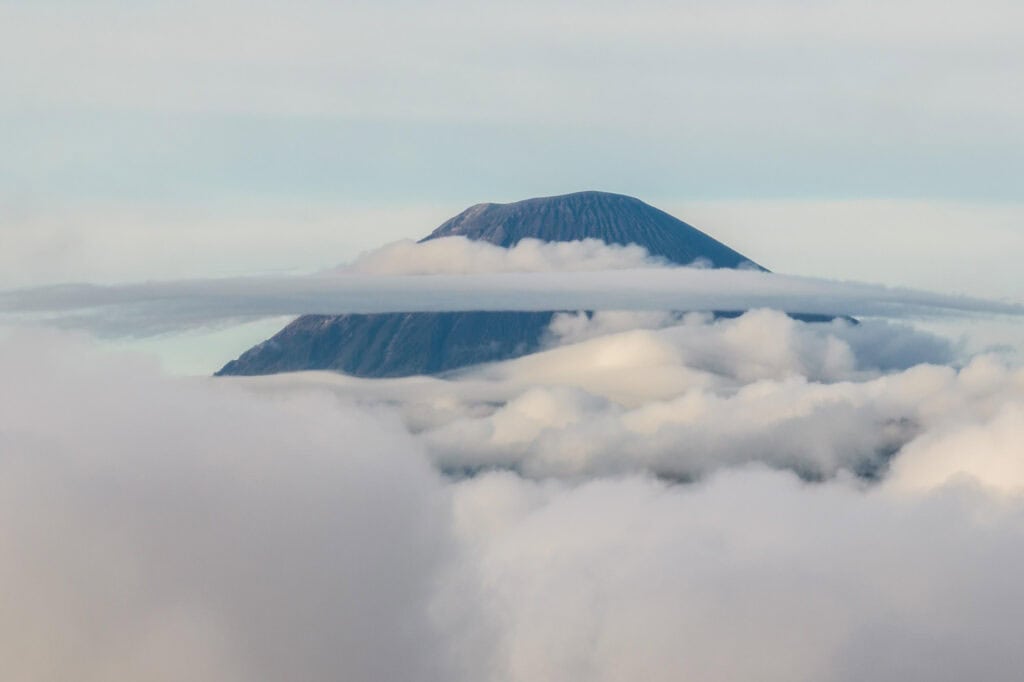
403,344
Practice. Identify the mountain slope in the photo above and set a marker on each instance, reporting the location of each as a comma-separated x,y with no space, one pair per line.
612,218
402,344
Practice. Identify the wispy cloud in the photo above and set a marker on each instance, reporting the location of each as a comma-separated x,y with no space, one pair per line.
140,309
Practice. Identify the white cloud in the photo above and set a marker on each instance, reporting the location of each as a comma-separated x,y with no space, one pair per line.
687,400
462,256
749,576
581,326
155,307
980,437
161,529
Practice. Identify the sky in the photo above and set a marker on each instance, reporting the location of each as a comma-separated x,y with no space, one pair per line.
653,495
166,139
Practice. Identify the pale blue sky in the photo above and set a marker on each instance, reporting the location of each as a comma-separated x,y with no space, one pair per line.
462,101
873,141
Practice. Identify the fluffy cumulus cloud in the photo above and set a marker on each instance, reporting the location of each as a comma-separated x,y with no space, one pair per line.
653,497
691,394
462,256
169,530
752,575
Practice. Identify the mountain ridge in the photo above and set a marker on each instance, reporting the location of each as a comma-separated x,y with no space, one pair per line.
612,218
403,344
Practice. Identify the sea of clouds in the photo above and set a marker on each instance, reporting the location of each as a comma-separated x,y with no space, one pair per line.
654,496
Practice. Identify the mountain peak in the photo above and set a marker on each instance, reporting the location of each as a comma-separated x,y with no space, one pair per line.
401,344
612,218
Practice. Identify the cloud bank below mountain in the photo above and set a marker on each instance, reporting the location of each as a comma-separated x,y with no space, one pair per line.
299,526
692,397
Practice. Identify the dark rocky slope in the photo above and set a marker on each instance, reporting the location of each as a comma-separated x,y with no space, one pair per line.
402,344
612,218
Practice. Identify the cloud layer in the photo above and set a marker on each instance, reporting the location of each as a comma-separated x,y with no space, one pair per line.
300,526
462,256
751,576
693,396
169,530
155,307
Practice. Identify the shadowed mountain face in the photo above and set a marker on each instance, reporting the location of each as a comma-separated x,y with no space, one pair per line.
612,218
394,344
403,344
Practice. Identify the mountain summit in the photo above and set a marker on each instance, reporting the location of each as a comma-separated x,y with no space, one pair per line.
612,218
402,344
